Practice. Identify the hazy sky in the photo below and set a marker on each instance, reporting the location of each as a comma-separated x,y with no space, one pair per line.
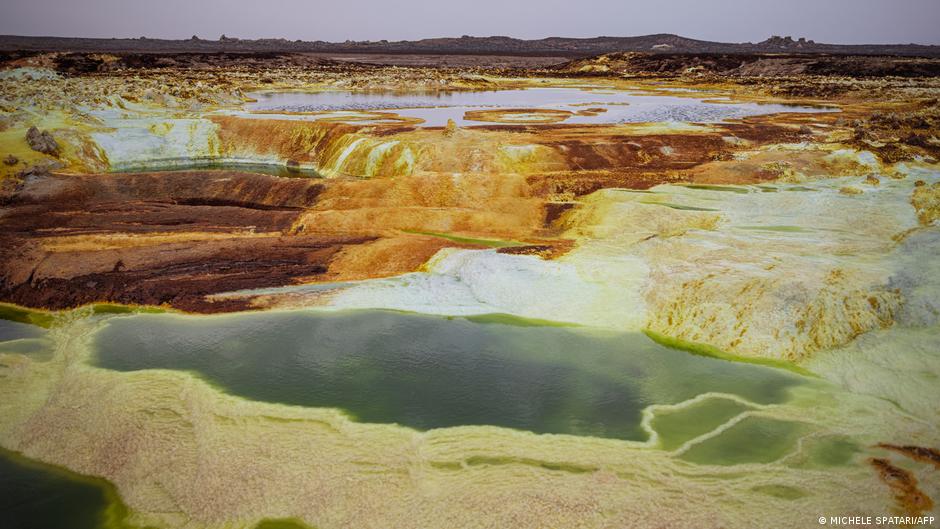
836,21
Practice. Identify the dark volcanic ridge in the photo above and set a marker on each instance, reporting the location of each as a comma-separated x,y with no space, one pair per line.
743,65
496,45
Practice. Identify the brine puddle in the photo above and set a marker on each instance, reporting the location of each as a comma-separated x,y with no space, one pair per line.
278,170
431,372
24,339
35,495
577,106
40,496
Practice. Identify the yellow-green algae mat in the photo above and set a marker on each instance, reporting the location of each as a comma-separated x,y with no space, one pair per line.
183,451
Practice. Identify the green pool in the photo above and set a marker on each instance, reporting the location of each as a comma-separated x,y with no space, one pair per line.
431,372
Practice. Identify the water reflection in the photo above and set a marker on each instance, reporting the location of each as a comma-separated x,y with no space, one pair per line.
431,372
435,108
38,496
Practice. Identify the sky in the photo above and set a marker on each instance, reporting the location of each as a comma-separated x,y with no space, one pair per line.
831,21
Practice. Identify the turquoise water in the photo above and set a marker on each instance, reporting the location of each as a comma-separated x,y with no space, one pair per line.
432,372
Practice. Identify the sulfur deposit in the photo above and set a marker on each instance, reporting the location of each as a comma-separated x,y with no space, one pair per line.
789,227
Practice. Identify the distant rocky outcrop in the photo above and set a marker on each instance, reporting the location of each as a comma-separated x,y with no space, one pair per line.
493,45
782,63
787,43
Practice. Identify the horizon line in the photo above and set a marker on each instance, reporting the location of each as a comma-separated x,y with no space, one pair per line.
219,39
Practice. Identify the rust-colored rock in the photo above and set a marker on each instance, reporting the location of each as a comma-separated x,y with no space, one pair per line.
909,498
167,238
917,453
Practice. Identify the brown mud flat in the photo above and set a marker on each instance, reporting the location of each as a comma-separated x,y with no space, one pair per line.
176,238
156,239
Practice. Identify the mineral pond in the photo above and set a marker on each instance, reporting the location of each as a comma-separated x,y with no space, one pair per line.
337,299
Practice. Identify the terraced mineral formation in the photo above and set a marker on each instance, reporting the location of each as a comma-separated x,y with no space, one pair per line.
799,238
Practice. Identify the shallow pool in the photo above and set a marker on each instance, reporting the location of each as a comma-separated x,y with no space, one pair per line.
24,339
38,496
279,170
431,371
436,108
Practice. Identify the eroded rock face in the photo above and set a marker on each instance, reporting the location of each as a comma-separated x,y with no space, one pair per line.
776,271
41,141
775,316
157,238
